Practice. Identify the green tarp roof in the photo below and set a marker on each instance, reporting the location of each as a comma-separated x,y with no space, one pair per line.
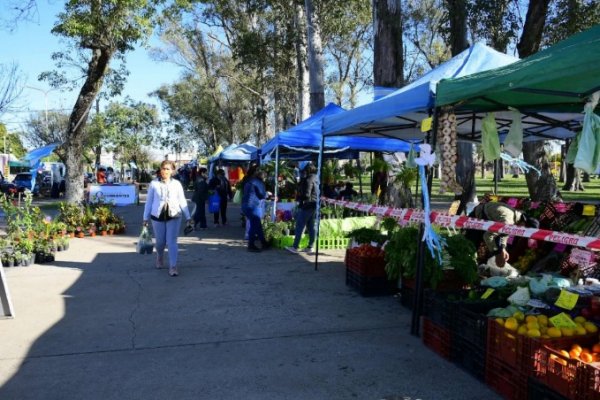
558,78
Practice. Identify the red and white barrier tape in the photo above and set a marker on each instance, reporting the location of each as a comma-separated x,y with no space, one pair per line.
458,222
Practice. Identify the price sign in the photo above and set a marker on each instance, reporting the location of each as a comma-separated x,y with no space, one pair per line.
562,320
589,210
567,300
426,124
582,257
487,293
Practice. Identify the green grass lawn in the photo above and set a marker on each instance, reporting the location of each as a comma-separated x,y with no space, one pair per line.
509,186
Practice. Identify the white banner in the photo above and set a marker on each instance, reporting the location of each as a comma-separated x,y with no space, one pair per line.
119,195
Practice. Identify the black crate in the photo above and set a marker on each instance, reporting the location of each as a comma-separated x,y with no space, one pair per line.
468,356
469,319
437,308
370,286
407,297
538,391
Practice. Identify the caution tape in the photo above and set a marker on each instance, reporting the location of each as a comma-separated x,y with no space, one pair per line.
409,215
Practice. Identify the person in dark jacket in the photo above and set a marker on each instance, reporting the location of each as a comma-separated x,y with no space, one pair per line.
221,185
253,192
348,193
307,205
200,197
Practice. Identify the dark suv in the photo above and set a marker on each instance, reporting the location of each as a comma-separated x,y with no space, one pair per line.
23,180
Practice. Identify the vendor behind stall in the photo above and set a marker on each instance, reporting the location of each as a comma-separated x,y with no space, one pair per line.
495,242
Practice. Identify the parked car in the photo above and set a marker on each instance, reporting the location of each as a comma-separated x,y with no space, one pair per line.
8,187
23,180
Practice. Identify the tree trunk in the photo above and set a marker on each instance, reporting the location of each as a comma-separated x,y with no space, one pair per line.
77,121
533,28
533,152
563,162
388,55
457,12
315,59
301,68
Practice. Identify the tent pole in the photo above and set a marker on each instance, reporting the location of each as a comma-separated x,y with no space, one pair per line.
319,190
359,176
496,176
276,191
418,296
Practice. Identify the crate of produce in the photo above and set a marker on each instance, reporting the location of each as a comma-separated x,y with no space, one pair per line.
469,319
436,337
559,365
589,383
367,261
538,391
436,307
510,383
469,356
368,285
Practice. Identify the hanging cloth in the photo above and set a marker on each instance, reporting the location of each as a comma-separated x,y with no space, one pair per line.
513,143
489,138
588,153
410,160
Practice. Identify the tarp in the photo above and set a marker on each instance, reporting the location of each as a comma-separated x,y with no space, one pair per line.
242,152
558,78
307,135
399,114
217,153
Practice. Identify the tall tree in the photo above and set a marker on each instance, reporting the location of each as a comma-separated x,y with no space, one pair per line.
103,29
11,86
388,55
41,131
315,58
302,74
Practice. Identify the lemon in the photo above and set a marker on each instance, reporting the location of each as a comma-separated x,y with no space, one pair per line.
544,336
543,329
567,331
554,332
522,330
580,330
519,316
533,325
580,318
531,318
511,324
534,333
500,321
542,320
590,327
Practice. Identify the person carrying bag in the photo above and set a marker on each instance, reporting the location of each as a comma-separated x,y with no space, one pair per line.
165,205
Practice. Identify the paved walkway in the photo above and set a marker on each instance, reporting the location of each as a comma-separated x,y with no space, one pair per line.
102,323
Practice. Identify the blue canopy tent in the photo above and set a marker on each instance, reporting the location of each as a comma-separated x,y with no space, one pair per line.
304,140
243,152
399,114
35,156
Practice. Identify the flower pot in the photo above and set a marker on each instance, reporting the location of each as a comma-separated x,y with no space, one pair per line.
32,258
111,231
80,235
40,258
72,234
49,257
66,246
92,234
59,247
10,262
103,233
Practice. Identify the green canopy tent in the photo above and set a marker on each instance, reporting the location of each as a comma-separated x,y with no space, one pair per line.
556,79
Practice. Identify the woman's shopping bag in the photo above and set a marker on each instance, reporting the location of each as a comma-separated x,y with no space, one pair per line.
145,244
237,197
214,203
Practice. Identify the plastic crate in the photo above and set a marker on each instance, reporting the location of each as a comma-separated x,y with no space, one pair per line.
373,267
468,356
407,297
370,286
562,374
436,307
333,243
469,320
538,391
436,337
504,379
589,383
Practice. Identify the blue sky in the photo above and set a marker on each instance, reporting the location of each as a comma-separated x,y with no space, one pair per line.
31,47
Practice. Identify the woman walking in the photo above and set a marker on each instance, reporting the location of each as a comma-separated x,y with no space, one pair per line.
200,197
254,192
165,204
221,185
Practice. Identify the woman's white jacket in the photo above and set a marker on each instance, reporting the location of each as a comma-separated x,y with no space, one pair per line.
161,193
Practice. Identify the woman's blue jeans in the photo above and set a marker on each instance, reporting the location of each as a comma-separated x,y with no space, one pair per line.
256,230
305,218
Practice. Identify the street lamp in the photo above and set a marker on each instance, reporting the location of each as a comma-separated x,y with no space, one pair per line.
45,101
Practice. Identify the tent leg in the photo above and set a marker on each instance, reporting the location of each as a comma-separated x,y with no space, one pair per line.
276,186
359,176
319,190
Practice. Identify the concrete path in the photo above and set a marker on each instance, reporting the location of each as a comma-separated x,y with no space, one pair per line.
102,323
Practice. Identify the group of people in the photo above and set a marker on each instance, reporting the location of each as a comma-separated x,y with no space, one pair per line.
341,191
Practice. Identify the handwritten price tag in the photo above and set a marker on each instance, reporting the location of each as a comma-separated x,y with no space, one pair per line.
567,300
487,293
426,124
589,210
562,320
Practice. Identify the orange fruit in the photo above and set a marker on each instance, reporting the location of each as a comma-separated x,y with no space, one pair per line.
586,357
577,348
574,354
596,357
596,348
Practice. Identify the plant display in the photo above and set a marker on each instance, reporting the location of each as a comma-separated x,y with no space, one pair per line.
366,235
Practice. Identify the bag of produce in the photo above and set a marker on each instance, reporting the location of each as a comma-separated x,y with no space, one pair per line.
145,244
520,297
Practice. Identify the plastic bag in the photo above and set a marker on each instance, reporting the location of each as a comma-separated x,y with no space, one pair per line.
520,297
513,143
237,197
588,153
489,138
145,244
214,203
539,286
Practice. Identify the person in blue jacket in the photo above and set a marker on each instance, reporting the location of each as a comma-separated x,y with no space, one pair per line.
253,192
